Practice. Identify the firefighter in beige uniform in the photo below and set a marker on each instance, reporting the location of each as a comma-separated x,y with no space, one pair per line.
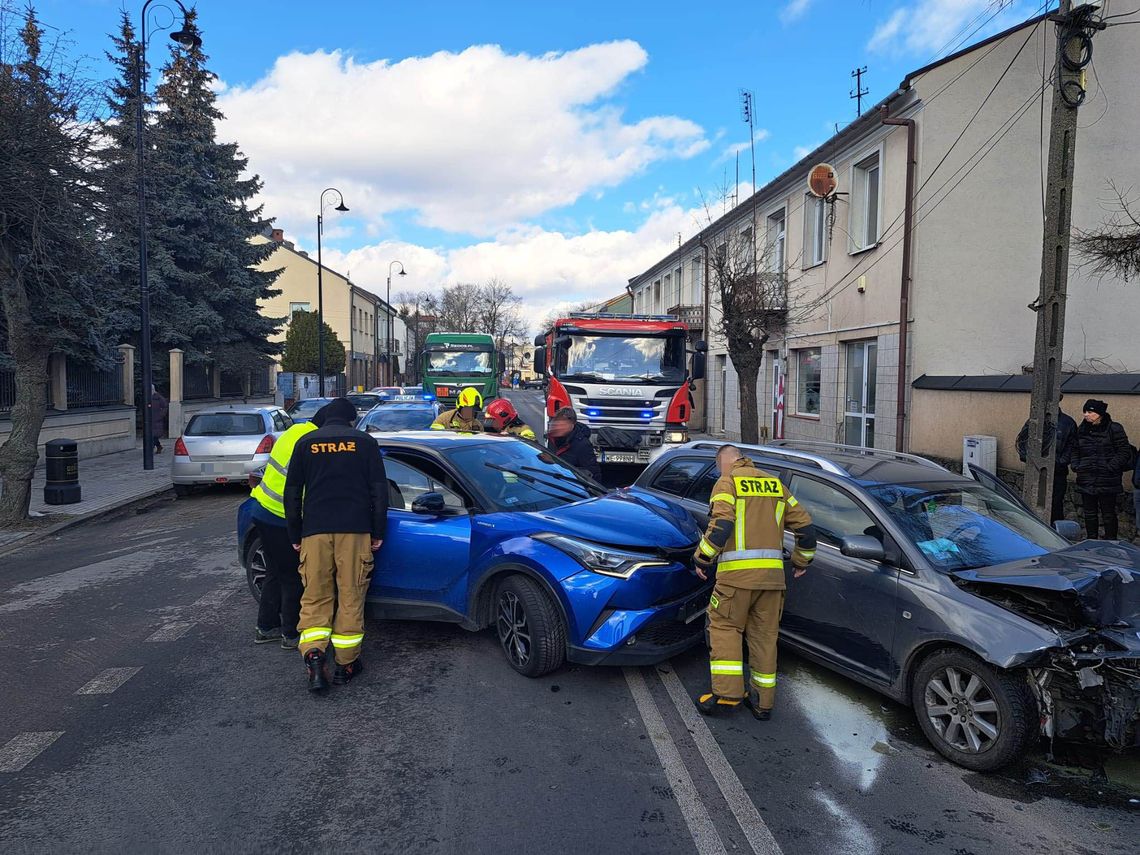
748,513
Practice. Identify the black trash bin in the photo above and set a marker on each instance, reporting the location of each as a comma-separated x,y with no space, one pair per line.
62,487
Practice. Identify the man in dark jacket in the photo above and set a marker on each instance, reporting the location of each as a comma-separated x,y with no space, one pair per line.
159,409
571,441
1101,455
336,509
1065,432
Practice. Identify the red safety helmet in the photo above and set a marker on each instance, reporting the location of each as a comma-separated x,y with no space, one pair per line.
499,413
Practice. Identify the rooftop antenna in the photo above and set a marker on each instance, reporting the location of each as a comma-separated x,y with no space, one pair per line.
859,91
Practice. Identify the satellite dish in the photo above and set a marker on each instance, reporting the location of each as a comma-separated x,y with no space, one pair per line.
822,181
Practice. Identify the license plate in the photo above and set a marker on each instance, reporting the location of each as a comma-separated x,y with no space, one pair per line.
692,610
619,457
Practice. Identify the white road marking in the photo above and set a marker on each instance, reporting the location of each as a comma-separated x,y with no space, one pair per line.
755,830
692,808
108,681
23,748
213,599
172,631
860,837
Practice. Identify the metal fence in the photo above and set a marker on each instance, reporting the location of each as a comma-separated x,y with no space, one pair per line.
262,382
7,390
93,387
197,382
233,384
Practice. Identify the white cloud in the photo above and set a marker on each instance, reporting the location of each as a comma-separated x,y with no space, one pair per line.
548,269
733,150
802,151
471,142
794,10
938,27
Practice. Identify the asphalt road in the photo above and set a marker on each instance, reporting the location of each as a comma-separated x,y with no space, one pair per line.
138,716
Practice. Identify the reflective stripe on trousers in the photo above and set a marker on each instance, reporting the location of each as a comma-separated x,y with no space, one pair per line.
347,640
764,680
726,666
316,633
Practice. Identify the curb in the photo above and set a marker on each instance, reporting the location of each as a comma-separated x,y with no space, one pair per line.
42,534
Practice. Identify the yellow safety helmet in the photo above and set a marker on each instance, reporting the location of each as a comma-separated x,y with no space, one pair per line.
470,398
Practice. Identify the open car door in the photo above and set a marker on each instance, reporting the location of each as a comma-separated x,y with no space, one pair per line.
988,479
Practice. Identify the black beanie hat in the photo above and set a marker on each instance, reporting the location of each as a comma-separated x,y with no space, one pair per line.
338,409
1092,405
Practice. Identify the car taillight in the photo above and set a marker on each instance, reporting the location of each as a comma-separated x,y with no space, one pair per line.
180,448
266,444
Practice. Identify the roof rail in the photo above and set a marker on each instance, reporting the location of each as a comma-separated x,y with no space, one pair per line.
620,317
779,453
882,453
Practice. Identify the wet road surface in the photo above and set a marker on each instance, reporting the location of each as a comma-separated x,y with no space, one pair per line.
138,715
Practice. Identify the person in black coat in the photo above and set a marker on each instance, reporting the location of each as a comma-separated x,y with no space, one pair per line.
570,441
1065,432
1101,455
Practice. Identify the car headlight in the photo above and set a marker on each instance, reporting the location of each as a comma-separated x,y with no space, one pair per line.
606,560
677,436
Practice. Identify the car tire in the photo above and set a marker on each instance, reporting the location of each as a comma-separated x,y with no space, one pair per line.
255,568
999,712
529,627
182,490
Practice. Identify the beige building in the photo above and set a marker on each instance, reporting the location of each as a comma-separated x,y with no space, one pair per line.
357,316
975,260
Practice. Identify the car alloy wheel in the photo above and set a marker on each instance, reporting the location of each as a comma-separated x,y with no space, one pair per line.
963,710
256,568
514,629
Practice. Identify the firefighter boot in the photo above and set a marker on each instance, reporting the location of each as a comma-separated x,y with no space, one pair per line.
315,666
758,712
344,673
710,704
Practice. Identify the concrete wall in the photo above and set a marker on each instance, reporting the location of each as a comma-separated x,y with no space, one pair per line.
941,418
978,250
102,430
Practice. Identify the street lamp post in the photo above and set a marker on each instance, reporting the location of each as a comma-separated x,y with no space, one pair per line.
388,342
320,284
188,40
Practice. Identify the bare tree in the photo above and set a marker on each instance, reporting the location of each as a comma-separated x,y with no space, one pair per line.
459,308
749,285
1114,248
499,313
48,236
420,313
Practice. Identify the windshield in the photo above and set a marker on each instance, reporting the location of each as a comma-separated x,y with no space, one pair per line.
363,402
398,418
535,481
963,526
225,424
619,358
459,363
307,408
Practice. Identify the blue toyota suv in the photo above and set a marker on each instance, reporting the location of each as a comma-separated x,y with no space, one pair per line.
488,531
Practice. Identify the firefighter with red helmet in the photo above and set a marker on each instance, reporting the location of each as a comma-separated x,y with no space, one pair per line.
502,417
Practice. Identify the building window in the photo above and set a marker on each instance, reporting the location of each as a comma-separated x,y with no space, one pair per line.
299,307
777,238
807,381
866,192
668,292
696,282
678,285
657,296
815,231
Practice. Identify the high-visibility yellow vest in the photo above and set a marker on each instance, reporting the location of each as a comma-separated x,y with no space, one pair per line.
270,493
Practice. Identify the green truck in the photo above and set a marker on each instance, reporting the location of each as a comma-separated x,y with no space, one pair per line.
455,361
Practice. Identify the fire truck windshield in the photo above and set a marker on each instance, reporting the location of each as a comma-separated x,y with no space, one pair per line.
619,358
459,363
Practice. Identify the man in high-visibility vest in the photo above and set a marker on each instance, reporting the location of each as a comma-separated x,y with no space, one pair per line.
280,604
465,417
748,512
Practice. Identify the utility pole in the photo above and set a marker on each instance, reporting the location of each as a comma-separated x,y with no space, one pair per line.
859,91
1075,28
748,115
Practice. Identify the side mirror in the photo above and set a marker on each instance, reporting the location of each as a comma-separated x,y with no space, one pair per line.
540,361
700,363
1068,529
428,503
862,546
372,429
701,346
539,340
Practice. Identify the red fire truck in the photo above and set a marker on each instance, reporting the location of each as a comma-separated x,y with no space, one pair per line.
628,377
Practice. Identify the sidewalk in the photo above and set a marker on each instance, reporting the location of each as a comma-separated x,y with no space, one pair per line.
107,482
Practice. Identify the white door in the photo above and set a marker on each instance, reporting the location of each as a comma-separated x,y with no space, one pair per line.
859,414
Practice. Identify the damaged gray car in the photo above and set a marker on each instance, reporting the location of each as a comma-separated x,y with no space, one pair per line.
946,593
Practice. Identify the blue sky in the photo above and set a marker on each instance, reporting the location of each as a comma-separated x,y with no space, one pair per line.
560,147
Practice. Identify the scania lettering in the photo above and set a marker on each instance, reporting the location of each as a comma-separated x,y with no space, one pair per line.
628,377
455,361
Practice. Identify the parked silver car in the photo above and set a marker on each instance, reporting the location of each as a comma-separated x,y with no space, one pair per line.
225,445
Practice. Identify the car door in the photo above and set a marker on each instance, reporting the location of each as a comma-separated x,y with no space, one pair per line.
677,479
843,609
421,569
988,479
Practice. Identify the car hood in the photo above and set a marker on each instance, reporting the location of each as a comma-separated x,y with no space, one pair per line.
1090,584
624,518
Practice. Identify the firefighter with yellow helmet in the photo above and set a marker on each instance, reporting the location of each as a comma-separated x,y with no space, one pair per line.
465,417
748,513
